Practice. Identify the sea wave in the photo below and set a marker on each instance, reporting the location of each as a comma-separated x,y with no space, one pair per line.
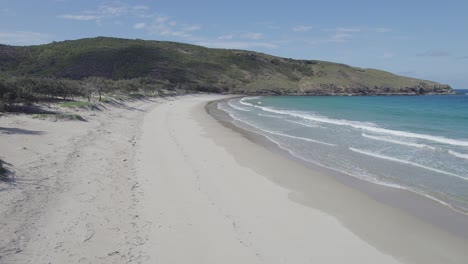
280,134
243,101
352,173
303,124
300,138
397,141
380,156
273,116
361,125
237,107
458,155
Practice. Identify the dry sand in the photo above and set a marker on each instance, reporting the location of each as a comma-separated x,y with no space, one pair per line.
166,183
73,200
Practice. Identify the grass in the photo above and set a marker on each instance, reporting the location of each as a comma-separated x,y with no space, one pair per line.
59,117
78,104
136,96
107,100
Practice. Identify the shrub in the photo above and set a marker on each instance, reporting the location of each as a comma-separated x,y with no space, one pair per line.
2,169
59,117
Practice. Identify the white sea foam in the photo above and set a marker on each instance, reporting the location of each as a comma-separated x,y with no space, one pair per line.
251,97
301,138
273,116
397,141
238,107
281,134
364,125
366,177
301,123
458,155
347,172
376,155
242,101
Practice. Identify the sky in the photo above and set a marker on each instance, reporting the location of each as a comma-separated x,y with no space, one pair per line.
422,39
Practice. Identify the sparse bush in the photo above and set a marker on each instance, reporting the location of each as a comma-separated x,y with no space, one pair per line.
33,89
77,104
59,117
2,169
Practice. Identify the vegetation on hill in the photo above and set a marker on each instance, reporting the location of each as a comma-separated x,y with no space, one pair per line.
66,69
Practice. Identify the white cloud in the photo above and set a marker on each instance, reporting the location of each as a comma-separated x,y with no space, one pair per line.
141,11
109,11
358,29
340,37
246,35
192,28
251,35
140,8
139,25
165,26
345,34
24,38
162,19
170,32
335,38
81,17
345,29
383,30
154,23
301,28
230,36
113,10
388,55
434,53
236,44
7,12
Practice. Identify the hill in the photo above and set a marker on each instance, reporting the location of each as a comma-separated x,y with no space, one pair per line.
193,67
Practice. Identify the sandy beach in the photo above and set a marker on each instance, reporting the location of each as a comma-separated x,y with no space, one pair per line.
162,181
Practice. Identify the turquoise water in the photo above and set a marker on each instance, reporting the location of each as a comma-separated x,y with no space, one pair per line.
418,143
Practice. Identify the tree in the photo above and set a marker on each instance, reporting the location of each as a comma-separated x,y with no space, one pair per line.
94,84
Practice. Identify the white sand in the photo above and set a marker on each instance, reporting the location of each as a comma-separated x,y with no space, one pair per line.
73,200
204,207
185,190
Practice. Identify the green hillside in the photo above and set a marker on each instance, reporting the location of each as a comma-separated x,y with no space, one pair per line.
194,67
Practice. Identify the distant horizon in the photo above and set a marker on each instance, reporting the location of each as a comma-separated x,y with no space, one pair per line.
397,37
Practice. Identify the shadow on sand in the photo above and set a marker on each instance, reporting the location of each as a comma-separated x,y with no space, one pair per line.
11,131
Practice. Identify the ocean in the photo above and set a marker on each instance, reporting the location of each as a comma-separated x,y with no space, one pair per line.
417,143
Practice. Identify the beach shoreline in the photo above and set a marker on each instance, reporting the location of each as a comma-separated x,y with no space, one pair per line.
164,181
425,208
405,204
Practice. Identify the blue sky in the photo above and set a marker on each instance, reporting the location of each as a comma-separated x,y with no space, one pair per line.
423,39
